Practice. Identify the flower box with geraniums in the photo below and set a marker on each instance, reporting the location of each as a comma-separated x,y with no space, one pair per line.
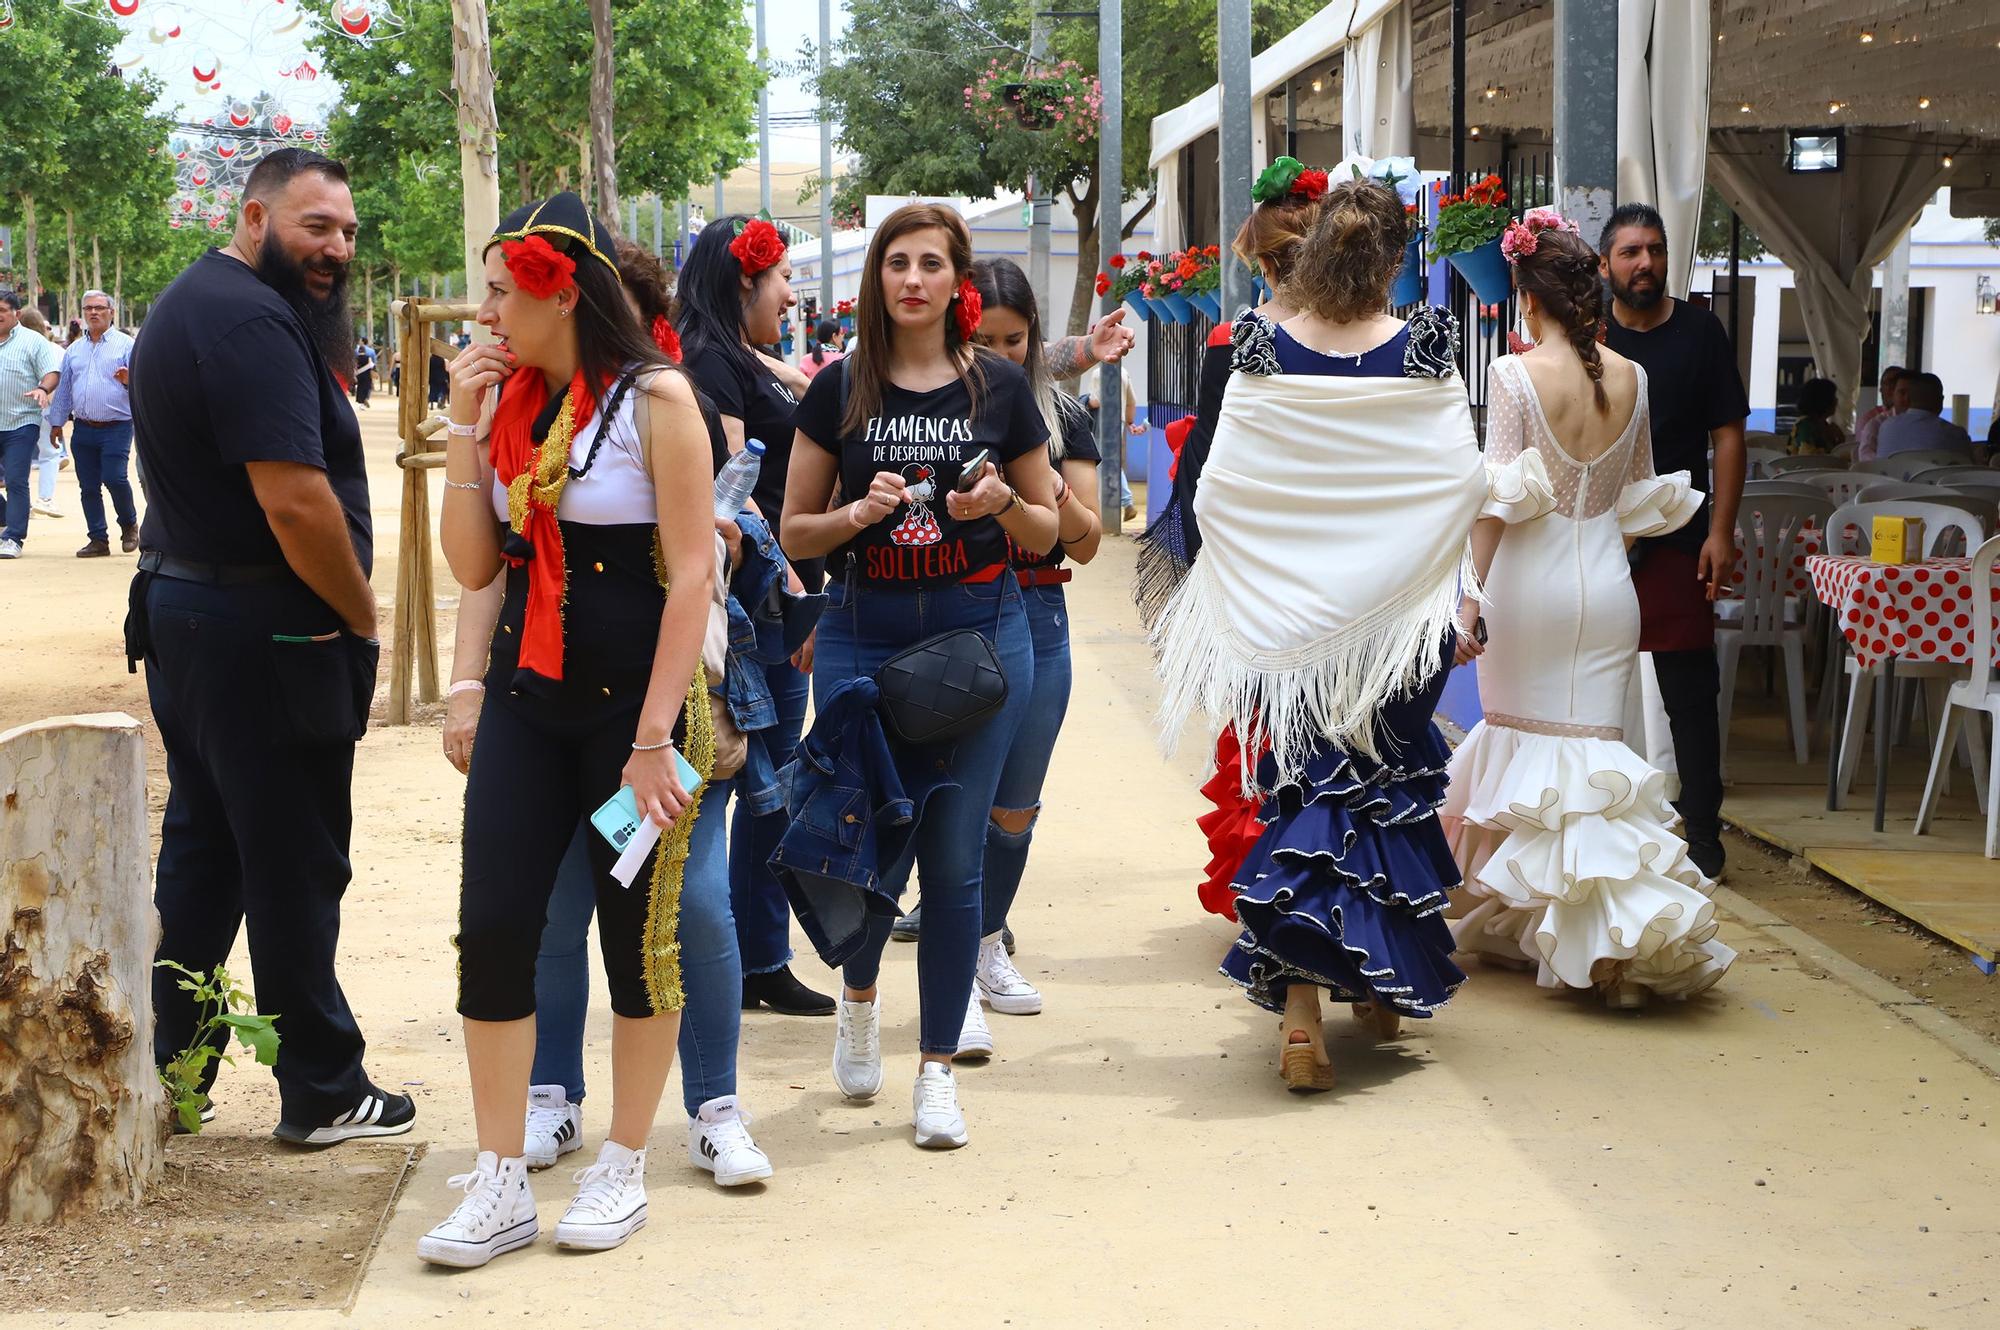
1162,288
1204,285
1467,232
843,312
1124,281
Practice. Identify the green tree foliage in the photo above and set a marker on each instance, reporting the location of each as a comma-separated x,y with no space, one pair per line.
898,78
1712,239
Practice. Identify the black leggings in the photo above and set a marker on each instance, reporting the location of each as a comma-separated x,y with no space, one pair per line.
538,766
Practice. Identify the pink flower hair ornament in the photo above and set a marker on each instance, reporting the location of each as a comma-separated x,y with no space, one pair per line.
1518,241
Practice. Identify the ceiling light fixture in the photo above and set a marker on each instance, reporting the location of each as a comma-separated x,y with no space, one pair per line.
1923,103
1315,85
1474,131
1745,108
1947,161
1867,37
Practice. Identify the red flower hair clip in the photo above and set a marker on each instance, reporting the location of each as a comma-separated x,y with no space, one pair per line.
666,338
1310,184
537,267
757,246
970,308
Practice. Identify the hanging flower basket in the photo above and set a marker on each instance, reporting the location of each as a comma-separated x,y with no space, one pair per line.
1468,232
1485,271
1062,98
1139,304
1179,308
1209,303
1408,288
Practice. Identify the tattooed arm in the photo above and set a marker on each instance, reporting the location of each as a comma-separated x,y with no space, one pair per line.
1108,340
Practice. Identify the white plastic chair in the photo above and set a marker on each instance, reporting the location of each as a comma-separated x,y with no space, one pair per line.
1849,531
1903,466
1958,471
1781,467
1974,694
1756,459
1840,487
1766,525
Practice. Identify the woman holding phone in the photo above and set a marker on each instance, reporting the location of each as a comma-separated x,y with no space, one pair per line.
917,545
578,464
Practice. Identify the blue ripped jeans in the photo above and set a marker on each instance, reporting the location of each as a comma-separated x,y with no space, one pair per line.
862,627
711,973
763,915
1027,763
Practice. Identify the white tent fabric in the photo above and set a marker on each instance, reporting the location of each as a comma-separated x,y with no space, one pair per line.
1663,74
1320,36
1168,232
1830,229
1378,108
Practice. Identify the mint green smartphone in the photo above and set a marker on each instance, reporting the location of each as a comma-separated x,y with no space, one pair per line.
618,819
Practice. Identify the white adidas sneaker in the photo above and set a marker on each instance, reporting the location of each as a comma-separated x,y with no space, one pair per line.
610,1204
857,1048
496,1216
719,1141
555,1126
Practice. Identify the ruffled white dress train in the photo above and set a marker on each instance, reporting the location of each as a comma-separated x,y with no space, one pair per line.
1560,829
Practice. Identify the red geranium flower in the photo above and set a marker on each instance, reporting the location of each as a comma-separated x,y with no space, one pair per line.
1144,256
1103,284
1118,261
757,246
537,267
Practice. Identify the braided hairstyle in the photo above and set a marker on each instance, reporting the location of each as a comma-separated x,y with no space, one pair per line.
1562,276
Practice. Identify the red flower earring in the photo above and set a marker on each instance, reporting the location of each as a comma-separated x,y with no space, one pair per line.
970,308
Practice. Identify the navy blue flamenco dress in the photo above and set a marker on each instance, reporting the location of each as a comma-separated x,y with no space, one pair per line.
1345,886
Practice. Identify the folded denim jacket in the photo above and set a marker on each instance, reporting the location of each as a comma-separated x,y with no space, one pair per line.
853,813
767,624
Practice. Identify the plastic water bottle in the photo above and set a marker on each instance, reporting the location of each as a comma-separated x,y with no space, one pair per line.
737,478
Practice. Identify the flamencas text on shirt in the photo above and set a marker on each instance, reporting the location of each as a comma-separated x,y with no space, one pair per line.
917,429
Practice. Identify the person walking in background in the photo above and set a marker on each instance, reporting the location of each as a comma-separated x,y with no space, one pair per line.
1886,405
94,401
364,372
51,459
1697,403
1815,431
254,616
828,338
1922,425
30,372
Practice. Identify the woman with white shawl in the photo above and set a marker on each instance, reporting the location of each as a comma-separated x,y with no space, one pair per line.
1319,625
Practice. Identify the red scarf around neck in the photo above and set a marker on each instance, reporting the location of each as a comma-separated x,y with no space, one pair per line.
544,468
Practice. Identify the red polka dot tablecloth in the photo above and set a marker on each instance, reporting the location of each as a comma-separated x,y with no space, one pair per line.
1913,611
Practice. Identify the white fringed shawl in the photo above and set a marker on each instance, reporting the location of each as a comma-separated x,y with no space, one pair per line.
1334,515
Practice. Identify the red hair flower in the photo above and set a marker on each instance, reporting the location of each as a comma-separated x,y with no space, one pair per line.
970,307
1103,284
757,246
666,338
1117,261
1310,184
537,267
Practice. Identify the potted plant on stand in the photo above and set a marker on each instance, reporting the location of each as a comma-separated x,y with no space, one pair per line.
1468,232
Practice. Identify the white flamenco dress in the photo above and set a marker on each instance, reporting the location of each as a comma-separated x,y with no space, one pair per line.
1560,829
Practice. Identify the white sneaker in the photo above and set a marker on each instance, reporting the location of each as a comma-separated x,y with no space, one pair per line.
1000,983
857,1049
10,549
496,1216
555,1126
45,509
719,1141
610,1204
934,1109
975,1039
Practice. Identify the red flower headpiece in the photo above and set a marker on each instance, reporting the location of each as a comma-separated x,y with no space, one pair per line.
537,267
757,246
970,307
666,338
1310,184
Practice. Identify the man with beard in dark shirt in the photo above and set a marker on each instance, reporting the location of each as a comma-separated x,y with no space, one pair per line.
253,613
1698,404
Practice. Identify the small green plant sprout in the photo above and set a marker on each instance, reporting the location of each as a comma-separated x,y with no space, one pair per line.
224,1008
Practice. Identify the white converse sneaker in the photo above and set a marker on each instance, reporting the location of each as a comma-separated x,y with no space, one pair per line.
934,1109
975,1038
610,1204
1000,983
555,1126
719,1141
496,1216
857,1049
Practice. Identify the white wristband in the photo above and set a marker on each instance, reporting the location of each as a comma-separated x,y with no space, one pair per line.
462,431
465,686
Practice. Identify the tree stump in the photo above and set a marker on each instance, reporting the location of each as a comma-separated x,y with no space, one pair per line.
82,1113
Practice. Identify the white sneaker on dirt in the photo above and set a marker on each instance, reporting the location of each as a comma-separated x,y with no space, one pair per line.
496,1216
610,1204
1003,986
719,1141
10,549
934,1109
555,1126
975,1037
857,1049
44,509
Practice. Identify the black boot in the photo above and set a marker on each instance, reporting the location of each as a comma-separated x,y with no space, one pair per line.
781,991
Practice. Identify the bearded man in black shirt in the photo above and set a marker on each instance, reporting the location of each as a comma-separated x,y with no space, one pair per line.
1698,404
253,613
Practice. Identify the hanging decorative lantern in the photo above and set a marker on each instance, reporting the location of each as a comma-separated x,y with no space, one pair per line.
205,65
166,24
124,8
239,114
355,20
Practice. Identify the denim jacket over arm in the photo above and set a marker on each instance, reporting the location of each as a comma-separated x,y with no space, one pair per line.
767,623
854,812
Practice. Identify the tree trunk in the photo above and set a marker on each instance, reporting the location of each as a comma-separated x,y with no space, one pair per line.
1083,294
118,289
96,264
69,291
478,135
527,182
82,1114
29,244
603,152
368,285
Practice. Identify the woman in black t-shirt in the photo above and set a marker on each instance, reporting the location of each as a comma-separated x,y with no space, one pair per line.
733,292
891,427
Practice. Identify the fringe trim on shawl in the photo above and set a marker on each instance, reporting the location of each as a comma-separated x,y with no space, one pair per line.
663,905
1329,691
1160,565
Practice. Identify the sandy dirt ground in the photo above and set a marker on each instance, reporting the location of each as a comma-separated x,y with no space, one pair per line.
1786,1151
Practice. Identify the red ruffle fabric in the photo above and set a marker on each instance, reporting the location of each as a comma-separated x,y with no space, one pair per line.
1232,828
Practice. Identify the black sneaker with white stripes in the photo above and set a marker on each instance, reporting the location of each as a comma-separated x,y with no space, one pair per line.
378,1114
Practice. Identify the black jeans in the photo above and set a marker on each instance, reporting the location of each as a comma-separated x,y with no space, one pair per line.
1690,689
259,698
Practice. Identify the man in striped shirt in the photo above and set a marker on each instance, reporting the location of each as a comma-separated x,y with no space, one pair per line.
94,397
